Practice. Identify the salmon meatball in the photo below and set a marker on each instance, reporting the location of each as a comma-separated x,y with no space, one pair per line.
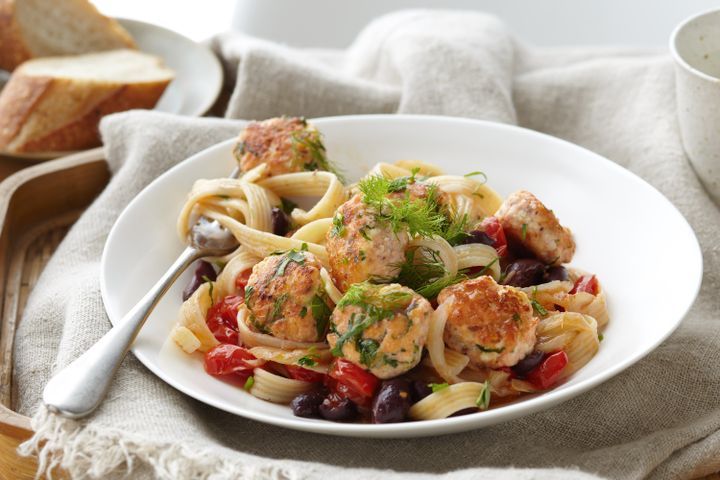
285,145
381,328
531,225
490,323
362,247
286,297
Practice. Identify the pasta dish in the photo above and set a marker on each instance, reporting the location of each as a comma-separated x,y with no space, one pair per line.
407,295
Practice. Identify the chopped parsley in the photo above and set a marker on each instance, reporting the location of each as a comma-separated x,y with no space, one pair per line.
436,387
303,311
248,293
483,400
309,360
485,349
368,349
390,361
523,231
338,228
249,383
291,256
276,312
321,313
601,337
375,305
516,317
536,305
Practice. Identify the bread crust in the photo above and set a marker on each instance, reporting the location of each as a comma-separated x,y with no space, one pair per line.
26,97
13,50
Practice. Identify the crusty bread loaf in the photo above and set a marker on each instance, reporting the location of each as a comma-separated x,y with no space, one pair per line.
55,104
44,28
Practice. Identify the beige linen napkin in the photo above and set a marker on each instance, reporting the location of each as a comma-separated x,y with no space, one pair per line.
660,418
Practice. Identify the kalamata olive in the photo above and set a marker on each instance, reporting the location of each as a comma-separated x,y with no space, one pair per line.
527,364
307,404
556,273
478,236
392,402
420,390
464,411
204,271
337,409
525,272
280,222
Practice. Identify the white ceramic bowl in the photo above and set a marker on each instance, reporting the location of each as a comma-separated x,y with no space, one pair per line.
624,229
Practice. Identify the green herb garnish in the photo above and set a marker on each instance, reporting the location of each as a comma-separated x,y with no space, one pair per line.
321,313
483,400
601,337
485,269
390,361
368,349
309,360
291,256
338,228
420,216
477,173
248,293
523,232
536,305
424,271
311,141
436,387
249,383
454,230
375,306
277,307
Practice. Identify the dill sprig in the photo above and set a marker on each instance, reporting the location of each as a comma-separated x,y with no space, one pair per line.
455,229
421,216
310,140
424,271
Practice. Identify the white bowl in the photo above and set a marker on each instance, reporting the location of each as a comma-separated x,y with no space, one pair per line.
626,233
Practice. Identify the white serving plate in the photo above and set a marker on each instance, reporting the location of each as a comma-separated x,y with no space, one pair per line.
198,74
624,228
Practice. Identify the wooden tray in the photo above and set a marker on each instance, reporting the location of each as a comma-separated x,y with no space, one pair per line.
37,207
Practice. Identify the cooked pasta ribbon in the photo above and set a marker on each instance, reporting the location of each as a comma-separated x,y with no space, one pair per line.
574,333
445,402
478,255
275,388
436,344
316,360
309,184
192,316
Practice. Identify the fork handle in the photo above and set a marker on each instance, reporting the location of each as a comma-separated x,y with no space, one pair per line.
77,390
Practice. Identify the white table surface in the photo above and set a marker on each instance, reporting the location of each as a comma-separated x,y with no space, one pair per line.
333,23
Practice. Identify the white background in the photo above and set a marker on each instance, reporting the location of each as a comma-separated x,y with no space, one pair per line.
644,23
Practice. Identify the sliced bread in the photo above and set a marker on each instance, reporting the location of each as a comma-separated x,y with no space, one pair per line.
55,104
44,28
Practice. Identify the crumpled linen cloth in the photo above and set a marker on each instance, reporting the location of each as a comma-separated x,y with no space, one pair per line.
660,418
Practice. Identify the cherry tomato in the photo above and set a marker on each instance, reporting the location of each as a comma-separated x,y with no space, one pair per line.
222,319
350,381
241,281
586,283
491,226
300,373
226,359
546,374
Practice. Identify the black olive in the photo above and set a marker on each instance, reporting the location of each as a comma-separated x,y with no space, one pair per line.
280,222
528,364
307,404
478,236
420,390
556,273
525,272
392,402
465,411
337,409
204,271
